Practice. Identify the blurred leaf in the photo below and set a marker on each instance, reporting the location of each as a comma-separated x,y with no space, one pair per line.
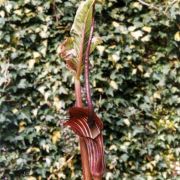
55,136
177,36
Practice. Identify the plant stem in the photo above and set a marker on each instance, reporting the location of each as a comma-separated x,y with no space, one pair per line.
83,148
86,77
78,93
91,122
84,160
97,178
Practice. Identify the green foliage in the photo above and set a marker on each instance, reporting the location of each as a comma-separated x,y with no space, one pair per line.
82,25
135,80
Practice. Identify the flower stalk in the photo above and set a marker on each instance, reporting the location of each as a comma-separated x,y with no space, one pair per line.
83,148
83,121
86,77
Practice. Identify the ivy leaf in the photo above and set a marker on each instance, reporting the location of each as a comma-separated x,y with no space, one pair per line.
95,42
23,84
177,36
55,136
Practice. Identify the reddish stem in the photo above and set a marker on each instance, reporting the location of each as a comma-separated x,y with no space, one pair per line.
78,93
86,76
97,178
91,122
83,148
84,160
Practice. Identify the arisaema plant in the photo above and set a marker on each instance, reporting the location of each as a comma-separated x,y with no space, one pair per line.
75,50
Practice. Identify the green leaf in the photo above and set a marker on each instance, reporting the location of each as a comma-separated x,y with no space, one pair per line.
23,84
124,157
82,25
73,49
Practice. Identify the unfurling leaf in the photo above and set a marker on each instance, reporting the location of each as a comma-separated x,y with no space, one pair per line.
73,49
67,53
82,25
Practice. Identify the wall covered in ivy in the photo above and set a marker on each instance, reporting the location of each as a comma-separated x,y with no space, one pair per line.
135,78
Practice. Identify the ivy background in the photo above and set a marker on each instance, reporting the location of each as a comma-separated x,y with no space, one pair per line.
135,78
